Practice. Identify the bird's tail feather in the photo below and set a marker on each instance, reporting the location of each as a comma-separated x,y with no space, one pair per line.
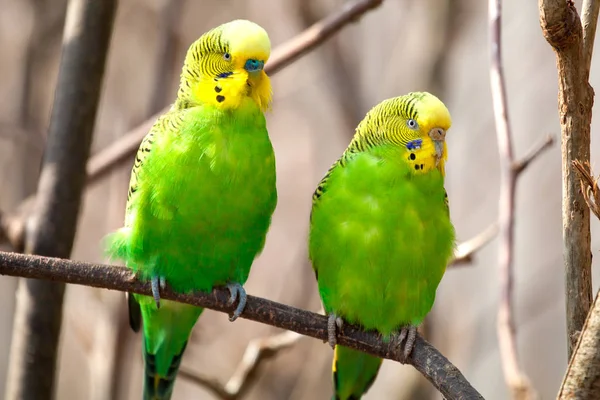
353,373
156,386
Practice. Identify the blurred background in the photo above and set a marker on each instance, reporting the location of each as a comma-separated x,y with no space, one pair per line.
435,45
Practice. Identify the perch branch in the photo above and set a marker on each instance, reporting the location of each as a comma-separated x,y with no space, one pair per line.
563,31
124,148
425,358
516,380
263,349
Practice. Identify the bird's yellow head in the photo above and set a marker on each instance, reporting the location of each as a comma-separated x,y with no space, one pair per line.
417,123
225,68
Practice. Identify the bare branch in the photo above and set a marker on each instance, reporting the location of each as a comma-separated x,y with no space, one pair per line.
562,29
516,380
582,379
532,154
51,228
425,358
170,17
318,33
258,351
589,21
464,251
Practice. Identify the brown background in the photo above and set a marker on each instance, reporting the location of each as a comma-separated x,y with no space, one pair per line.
436,45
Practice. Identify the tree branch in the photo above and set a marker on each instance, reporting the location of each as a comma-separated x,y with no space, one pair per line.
258,351
318,33
517,381
425,358
463,254
125,148
589,21
582,379
562,29
51,227
263,349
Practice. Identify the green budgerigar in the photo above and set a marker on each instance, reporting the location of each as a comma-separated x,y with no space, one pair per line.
202,193
380,232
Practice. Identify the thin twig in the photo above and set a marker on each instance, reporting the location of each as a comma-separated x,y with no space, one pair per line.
532,154
170,17
258,351
515,379
589,21
424,357
562,29
318,33
123,149
463,254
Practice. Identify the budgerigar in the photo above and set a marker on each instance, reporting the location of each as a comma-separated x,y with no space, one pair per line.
202,193
380,232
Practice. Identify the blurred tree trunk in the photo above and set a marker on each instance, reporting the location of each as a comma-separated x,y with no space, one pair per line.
51,227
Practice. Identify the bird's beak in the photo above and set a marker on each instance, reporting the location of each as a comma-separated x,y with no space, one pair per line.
438,135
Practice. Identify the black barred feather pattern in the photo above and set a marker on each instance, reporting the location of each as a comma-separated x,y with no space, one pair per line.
158,387
384,123
167,124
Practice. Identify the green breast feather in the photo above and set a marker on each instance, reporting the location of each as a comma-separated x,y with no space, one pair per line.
201,199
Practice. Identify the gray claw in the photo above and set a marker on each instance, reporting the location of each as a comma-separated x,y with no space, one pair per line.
157,283
408,335
334,323
237,293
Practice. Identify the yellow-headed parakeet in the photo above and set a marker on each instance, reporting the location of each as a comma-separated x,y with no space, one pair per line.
202,193
380,231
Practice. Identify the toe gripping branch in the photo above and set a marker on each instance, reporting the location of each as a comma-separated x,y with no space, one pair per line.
237,294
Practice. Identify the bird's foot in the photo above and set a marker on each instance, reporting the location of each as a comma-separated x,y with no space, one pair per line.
407,335
158,283
237,293
334,323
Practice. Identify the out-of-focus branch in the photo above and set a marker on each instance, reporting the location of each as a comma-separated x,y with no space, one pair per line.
582,379
170,16
283,55
562,29
517,381
424,357
589,21
318,33
258,351
51,227
463,254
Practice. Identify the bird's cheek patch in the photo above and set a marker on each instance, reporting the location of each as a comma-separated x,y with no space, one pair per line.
414,144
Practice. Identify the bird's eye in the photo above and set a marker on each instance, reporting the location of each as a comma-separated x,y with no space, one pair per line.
412,124
227,57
